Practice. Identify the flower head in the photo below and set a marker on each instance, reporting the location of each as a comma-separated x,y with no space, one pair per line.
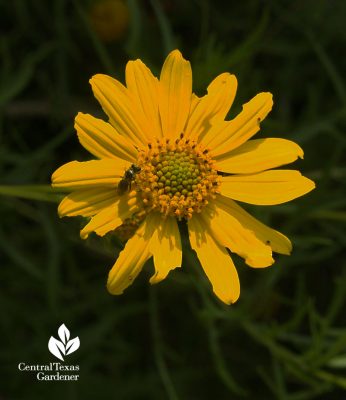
166,155
109,19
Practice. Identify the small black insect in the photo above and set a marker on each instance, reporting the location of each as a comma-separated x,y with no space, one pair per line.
125,182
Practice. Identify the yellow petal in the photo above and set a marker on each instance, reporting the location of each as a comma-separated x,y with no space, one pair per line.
229,232
130,262
194,103
215,261
156,237
212,107
144,87
258,155
86,202
108,218
83,175
228,135
102,140
165,246
276,240
266,188
117,103
175,92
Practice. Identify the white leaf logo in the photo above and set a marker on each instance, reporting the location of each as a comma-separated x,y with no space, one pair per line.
54,346
72,345
64,346
64,333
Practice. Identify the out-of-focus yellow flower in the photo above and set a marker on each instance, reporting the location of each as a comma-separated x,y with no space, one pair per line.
109,19
167,155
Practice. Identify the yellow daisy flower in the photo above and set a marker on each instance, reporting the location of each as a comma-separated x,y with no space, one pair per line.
167,155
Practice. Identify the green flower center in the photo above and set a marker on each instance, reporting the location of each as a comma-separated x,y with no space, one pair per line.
178,172
176,178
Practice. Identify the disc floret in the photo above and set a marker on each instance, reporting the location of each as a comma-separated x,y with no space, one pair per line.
177,177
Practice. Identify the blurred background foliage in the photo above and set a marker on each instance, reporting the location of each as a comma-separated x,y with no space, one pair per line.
286,336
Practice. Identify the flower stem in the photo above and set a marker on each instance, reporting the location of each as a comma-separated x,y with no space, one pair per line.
32,192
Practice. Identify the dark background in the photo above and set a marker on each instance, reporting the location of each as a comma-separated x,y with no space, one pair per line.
286,337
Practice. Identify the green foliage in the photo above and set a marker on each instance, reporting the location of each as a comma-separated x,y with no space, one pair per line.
286,337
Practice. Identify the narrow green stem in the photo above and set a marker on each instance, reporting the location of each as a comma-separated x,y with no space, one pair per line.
157,338
32,192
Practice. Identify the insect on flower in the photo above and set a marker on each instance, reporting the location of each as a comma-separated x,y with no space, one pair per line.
125,183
